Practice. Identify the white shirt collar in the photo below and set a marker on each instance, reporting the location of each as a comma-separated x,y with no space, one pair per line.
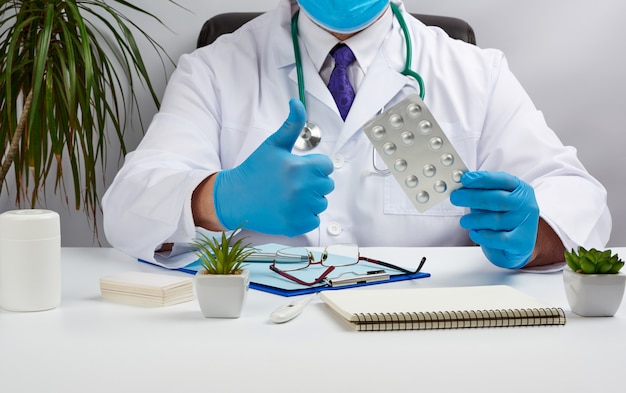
365,45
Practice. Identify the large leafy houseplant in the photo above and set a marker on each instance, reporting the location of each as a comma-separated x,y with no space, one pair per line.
68,74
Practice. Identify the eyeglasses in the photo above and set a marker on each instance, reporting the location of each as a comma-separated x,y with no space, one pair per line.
292,259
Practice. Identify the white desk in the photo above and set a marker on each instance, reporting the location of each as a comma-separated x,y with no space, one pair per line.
89,345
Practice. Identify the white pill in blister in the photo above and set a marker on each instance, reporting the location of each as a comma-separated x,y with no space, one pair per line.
435,143
440,186
422,197
456,176
425,127
389,148
378,132
429,170
407,138
414,110
400,165
411,181
447,159
396,121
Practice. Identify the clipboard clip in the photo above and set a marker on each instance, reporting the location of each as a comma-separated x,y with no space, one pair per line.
371,276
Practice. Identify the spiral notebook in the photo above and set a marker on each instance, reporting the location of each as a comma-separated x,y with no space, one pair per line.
441,308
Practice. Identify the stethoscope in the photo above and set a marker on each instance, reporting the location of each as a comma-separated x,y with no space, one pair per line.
311,134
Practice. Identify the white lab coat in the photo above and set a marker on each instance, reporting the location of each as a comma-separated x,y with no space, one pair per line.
225,99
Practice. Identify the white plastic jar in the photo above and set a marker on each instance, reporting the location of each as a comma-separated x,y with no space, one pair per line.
30,260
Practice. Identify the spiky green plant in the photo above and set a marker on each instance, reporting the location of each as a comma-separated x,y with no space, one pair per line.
222,257
593,261
68,72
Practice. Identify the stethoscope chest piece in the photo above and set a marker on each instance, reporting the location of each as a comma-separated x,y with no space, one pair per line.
309,137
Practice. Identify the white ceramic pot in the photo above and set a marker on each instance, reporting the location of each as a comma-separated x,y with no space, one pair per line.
221,296
594,295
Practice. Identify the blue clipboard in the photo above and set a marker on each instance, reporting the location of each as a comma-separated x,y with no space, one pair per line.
264,279
320,288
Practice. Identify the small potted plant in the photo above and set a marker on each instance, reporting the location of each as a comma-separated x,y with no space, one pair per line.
222,282
594,286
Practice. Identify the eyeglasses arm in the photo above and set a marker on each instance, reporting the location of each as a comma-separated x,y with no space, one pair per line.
391,266
297,280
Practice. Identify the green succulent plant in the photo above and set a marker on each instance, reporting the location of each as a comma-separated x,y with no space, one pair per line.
593,261
222,257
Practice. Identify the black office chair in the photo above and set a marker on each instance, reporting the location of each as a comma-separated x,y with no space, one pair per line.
231,21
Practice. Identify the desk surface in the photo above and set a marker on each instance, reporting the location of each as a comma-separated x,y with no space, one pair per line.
90,345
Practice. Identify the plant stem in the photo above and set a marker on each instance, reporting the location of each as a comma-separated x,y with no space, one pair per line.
19,131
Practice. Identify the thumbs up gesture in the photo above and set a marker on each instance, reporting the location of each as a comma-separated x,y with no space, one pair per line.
274,191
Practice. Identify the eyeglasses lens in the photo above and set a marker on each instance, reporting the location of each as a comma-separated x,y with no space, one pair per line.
341,255
295,258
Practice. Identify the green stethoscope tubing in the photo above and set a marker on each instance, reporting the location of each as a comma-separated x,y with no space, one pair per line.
296,51
409,51
407,65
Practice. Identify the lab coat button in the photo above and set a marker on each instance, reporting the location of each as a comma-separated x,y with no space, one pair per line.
334,228
338,161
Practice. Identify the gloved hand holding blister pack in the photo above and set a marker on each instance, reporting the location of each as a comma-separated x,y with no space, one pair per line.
274,191
504,216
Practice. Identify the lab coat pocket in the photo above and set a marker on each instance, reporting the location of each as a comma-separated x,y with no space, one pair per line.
465,142
396,201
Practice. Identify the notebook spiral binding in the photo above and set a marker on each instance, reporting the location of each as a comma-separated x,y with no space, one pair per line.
460,319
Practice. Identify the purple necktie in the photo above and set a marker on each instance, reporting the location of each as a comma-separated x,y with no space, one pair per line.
339,85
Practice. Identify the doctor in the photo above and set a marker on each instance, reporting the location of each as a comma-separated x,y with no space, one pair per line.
221,150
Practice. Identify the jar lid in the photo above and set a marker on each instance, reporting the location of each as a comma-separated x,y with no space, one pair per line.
29,224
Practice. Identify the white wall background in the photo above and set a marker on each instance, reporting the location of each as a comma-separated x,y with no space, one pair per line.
567,53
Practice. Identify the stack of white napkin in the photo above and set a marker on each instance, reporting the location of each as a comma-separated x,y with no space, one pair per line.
146,289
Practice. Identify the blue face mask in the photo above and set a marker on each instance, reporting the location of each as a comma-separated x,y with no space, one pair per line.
344,16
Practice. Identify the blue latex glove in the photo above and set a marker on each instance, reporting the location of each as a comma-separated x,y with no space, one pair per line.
274,191
504,216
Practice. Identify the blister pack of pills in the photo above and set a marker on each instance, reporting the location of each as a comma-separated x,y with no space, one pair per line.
417,152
